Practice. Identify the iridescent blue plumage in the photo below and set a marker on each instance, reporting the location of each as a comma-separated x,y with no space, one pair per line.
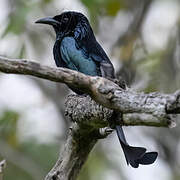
77,59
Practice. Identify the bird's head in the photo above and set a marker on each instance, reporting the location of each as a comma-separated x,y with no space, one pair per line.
69,23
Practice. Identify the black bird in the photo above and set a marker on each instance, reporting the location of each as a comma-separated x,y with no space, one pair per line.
76,48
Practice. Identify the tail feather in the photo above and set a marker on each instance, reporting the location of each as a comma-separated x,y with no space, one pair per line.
135,155
132,154
148,158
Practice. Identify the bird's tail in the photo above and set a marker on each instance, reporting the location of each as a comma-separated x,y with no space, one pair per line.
134,155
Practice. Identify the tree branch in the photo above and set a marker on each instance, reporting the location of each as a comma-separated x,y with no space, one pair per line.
84,110
79,143
87,115
103,91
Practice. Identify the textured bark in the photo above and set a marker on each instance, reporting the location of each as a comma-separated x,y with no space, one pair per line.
84,110
103,91
79,143
88,115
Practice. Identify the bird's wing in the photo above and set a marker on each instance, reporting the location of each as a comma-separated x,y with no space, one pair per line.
99,55
66,50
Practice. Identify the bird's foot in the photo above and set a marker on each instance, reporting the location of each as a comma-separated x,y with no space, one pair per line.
104,132
120,82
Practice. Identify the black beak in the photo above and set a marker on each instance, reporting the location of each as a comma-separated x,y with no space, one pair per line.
48,20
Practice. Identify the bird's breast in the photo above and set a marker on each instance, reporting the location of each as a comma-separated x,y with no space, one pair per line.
76,58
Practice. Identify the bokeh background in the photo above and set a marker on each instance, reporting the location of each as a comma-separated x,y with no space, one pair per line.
142,39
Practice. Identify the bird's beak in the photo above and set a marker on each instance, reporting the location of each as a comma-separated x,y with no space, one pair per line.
48,20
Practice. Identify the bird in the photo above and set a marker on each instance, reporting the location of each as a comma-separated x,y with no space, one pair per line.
76,48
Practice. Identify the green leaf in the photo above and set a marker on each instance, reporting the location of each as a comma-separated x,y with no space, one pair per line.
8,127
113,6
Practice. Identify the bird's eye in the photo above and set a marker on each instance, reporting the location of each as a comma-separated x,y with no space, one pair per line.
65,19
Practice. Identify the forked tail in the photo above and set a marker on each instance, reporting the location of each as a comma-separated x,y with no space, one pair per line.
135,155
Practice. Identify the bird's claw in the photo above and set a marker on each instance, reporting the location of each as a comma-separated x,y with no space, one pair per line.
105,131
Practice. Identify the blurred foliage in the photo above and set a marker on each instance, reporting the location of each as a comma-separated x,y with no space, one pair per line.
105,7
18,16
14,26
100,8
13,172
18,24
157,70
8,127
43,155
94,167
